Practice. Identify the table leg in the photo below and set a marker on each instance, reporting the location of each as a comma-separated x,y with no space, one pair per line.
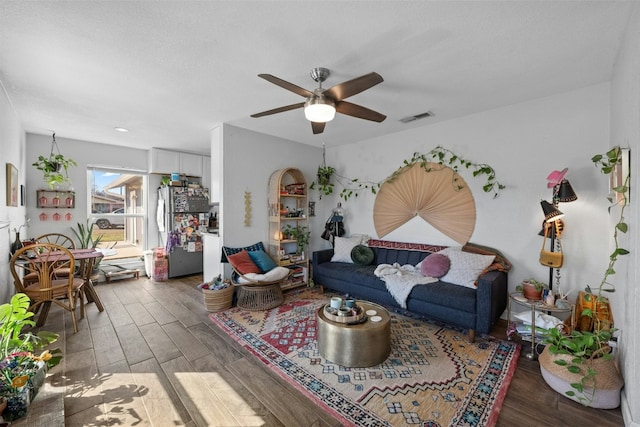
533,355
89,290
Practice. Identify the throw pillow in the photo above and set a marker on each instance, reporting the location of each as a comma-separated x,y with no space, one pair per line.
343,247
243,263
465,267
262,260
435,265
362,255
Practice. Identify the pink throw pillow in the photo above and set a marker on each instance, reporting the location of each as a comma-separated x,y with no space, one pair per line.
435,265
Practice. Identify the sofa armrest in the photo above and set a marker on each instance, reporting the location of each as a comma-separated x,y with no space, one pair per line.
491,299
322,256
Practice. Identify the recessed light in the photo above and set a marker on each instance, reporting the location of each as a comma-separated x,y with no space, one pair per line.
119,129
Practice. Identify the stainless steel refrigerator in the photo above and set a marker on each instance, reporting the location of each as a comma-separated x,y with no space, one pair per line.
185,219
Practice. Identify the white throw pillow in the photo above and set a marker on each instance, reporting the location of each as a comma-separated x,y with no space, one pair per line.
465,266
342,248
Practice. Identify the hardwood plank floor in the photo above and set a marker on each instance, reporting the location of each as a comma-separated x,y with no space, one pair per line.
153,358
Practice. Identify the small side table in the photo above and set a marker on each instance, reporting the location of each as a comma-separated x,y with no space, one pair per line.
534,306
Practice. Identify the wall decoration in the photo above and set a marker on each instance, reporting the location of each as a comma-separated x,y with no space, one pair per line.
312,208
12,185
247,208
23,195
440,197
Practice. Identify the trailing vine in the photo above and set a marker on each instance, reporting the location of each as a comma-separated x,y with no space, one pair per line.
607,163
352,187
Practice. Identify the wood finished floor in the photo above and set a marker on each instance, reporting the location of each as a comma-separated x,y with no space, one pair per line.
153,358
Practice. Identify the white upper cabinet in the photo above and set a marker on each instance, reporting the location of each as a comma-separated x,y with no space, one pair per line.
191,164
167,161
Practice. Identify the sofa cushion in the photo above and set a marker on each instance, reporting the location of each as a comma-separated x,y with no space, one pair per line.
343,247
465,267
363,255
435,265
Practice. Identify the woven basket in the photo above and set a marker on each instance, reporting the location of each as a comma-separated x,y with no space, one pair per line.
608,380
218,300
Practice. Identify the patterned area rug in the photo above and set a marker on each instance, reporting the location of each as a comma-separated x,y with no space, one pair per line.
433,376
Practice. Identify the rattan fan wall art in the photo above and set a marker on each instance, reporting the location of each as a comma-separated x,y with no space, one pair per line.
432,191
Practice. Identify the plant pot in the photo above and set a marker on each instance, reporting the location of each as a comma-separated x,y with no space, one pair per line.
17,405
608,380
530,292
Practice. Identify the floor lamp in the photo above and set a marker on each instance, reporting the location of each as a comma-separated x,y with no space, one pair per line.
562,192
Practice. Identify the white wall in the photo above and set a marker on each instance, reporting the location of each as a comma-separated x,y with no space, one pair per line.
11,151
249,160
84,153
523,143
625,132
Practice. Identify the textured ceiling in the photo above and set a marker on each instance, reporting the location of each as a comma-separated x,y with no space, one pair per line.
169,71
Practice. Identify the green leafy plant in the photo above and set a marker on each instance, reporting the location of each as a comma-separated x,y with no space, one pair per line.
54,168
84,234
18,363
538,285
323,180
298,233
352,187
581,347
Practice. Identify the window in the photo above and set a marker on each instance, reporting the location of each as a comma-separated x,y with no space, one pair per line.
117,206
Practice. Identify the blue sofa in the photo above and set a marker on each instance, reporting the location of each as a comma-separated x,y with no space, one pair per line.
473,309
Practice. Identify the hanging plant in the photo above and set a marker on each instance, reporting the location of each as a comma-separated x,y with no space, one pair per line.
54,167
439,155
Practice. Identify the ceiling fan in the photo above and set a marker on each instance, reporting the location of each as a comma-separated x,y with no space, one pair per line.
321,104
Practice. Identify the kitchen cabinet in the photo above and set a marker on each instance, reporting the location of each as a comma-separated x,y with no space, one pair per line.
168,161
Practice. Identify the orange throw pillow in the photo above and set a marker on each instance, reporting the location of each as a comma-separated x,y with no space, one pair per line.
243,263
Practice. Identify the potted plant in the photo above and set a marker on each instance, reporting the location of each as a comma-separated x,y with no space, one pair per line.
54,169
580,364
21,371
298,233
323,180
84,234
532,289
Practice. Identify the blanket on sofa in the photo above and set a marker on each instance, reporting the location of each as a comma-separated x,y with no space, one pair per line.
400,280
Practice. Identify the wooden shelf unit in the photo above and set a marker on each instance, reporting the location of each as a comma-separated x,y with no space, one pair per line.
295,200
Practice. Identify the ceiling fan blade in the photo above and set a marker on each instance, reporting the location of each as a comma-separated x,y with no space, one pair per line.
317,127
353,87
286,85
359,111
279,110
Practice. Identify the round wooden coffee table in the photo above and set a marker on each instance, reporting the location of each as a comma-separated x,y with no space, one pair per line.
356,346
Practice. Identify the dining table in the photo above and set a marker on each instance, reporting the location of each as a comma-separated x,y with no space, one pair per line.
86,259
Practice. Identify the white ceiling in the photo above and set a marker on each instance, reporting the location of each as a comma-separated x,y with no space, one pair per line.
169,71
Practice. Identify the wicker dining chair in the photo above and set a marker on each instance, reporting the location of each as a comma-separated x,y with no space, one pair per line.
60,240
44,260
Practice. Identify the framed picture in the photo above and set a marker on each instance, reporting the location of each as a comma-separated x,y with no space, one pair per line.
23,195
618,176
12,185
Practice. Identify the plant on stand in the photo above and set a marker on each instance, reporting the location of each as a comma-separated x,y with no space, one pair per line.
21,371
587,370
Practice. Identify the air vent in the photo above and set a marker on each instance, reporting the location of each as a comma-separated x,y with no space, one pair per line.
409,119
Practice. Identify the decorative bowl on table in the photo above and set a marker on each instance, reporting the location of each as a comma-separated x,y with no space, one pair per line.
344,315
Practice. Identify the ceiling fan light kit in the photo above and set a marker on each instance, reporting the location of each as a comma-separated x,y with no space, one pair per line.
319,109
322,104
